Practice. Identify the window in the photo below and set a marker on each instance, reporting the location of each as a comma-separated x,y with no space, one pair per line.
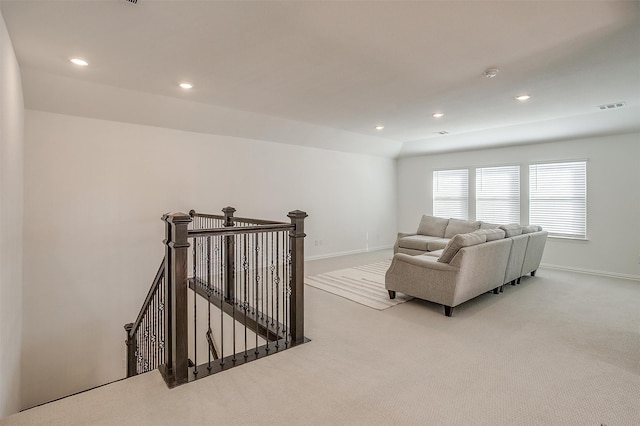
498,194
558,198
451,193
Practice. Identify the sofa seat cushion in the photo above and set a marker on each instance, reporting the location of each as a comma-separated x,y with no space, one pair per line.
416,242
492,234
437,244
459,241
432,226
512,229
457,226
435,253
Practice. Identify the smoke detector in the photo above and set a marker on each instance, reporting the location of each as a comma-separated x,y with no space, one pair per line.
490,72
612,106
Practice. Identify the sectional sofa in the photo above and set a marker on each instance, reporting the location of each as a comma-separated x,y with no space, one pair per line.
450,261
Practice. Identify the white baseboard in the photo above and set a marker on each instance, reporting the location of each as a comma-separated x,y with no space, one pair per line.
346,253
591,272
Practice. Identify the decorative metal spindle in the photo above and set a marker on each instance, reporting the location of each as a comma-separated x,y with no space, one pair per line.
162,319
223,273
209,291
273,275
277,290
156,304
287,300
245,303
235,292
154,325
263,271
266,285
146,343
196,242
257,283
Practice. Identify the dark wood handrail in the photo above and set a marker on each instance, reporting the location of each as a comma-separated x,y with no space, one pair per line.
257,221
193,213
240,230
147,300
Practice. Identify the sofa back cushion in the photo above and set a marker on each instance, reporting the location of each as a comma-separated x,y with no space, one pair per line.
531,228
512,229
459,241
487,225
457,226
433,226
492,234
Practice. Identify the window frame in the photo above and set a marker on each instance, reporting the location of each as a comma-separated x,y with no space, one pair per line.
513,197
464,197
583,199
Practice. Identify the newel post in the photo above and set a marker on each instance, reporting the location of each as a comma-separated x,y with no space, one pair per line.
296,243
131,351
229,267
176,369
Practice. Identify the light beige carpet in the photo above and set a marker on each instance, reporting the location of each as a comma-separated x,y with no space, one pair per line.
560,349
361,284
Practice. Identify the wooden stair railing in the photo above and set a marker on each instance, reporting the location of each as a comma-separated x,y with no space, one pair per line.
250,270
145,336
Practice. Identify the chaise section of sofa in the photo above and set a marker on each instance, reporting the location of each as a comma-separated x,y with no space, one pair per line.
467,267
433,234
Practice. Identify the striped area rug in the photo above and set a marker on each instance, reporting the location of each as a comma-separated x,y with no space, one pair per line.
362,284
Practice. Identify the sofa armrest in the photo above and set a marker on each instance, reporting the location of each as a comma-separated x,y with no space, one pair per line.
429,262
405,234
423,277
396,246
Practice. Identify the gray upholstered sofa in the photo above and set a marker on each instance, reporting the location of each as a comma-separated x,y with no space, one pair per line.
450,261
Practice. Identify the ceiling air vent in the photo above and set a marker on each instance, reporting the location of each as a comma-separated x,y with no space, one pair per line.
131,1
612,106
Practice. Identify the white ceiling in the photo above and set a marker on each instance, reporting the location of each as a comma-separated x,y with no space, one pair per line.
343,67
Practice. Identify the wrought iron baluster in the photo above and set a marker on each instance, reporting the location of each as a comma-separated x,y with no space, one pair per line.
245,303
223,275
287,316
209,291
277,289
234,301
264,274
196,243
257,283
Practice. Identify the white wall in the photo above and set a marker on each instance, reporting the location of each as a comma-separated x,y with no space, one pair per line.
94,194
613,198
11,181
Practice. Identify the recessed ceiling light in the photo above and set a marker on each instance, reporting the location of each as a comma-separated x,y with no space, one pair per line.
438,114
186,85
80,62
523,97
379,127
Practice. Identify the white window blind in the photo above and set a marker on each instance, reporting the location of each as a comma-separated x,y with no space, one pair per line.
498,194
451,193
558,198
